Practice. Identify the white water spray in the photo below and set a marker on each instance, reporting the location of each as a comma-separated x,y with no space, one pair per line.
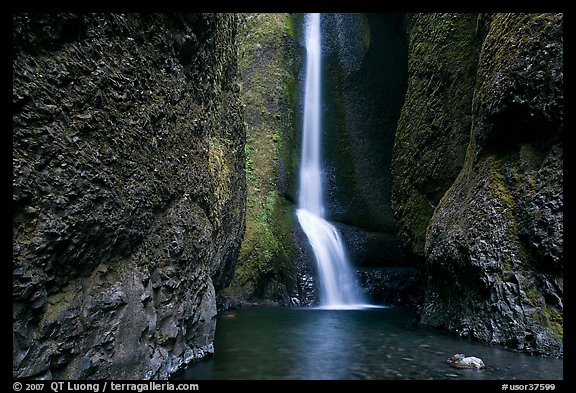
337,281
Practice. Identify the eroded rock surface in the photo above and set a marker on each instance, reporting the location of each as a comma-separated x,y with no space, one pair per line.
128,190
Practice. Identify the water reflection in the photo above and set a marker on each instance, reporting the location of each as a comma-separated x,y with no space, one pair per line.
352,344
326,347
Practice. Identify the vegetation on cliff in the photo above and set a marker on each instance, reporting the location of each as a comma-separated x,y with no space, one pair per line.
268,67
491,238
128,190
434,126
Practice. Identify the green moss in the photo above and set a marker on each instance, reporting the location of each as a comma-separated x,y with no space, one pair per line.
366,36
59,302
433,130
268,85
27,230
296,21
534,297
423,213
498,182
220,170
555,321
249,162
266,248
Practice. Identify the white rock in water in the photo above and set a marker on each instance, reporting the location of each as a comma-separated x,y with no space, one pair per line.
460,361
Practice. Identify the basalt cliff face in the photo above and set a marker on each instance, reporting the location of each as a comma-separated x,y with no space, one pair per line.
270,271
482,206
364,85
128,191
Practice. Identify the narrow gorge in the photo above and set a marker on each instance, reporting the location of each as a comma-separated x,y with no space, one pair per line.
157,184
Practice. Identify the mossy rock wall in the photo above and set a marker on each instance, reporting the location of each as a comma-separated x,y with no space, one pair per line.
434,127
128,190
494,246
270,61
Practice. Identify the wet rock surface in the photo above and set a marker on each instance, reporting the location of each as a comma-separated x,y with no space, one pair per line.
434,126
460,361
397,286
364,83
128,191
494,246
268,271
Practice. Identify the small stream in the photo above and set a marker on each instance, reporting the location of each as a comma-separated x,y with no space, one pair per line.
381,343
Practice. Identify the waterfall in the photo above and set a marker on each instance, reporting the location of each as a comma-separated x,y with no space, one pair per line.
337,281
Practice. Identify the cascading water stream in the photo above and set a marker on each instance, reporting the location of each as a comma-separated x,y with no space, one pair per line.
337,282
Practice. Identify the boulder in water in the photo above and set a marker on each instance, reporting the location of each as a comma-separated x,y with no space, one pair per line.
460,361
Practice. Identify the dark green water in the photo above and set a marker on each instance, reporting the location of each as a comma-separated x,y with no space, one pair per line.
386,343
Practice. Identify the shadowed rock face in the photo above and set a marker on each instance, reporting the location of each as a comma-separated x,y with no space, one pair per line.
434,126
128,191
494,245
364,73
